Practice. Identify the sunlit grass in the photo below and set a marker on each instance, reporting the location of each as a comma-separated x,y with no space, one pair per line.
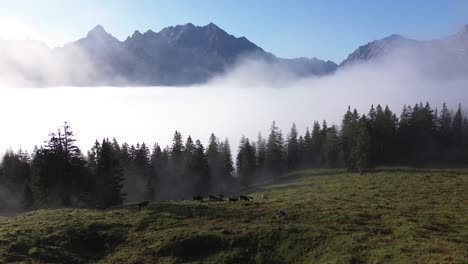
389,216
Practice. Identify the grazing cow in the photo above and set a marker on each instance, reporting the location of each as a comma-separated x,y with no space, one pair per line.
244,198
361,171
212,198
198,198
280,214
219,199
221,196
265,197
143,204
233,199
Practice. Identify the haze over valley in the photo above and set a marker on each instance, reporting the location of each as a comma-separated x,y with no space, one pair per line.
237,132
200,79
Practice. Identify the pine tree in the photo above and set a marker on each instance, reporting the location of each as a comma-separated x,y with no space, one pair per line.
14,173
361,146
404,135
331,148
382,132
348,134
308,149
142,173
177,149
261,150
457,127
300,151
465,141
274,153
372,115
227,166
175,177
157,167
445,126
59,171
213,154
201,170
124,155
245,162
316,145
188,179
292,150
323,140
108,173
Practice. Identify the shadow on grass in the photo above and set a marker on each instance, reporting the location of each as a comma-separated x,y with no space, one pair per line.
189,209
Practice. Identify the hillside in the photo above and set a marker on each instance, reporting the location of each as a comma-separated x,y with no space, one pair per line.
388,216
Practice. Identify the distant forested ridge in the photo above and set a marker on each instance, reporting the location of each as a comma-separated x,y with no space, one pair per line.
59,174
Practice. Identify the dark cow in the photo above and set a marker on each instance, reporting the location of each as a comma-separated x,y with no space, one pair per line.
221,196
143,204
233,199
212,198
280,214
198,198
219,199
361,171
244,198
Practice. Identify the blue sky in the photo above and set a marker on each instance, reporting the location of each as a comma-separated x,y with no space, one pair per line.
327,29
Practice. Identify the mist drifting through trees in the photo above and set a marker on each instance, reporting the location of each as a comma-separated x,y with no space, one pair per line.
100,169
58,174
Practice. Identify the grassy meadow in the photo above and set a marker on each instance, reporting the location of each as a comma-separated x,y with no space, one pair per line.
392,215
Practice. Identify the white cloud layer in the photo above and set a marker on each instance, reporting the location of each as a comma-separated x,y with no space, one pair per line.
242,102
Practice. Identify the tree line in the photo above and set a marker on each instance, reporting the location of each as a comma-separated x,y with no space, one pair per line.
58,174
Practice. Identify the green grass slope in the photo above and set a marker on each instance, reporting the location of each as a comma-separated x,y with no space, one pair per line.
389,216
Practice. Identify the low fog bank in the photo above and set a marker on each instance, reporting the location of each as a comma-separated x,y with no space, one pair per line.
242,102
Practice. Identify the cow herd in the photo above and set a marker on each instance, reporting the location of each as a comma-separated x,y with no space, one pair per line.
220,198
280,214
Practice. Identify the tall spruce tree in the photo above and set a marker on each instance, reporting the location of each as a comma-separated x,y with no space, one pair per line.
227,166
331,148
301,151
274,153
348,134
108,172
157,167
175,177
444,126
58,171
214,157
261,151
457,127
308,149
292,150
201,170
465,141
316,145
188,154
361,150
14,177
245,162
142,173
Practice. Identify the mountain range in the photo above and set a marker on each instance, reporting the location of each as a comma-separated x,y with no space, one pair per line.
189,54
